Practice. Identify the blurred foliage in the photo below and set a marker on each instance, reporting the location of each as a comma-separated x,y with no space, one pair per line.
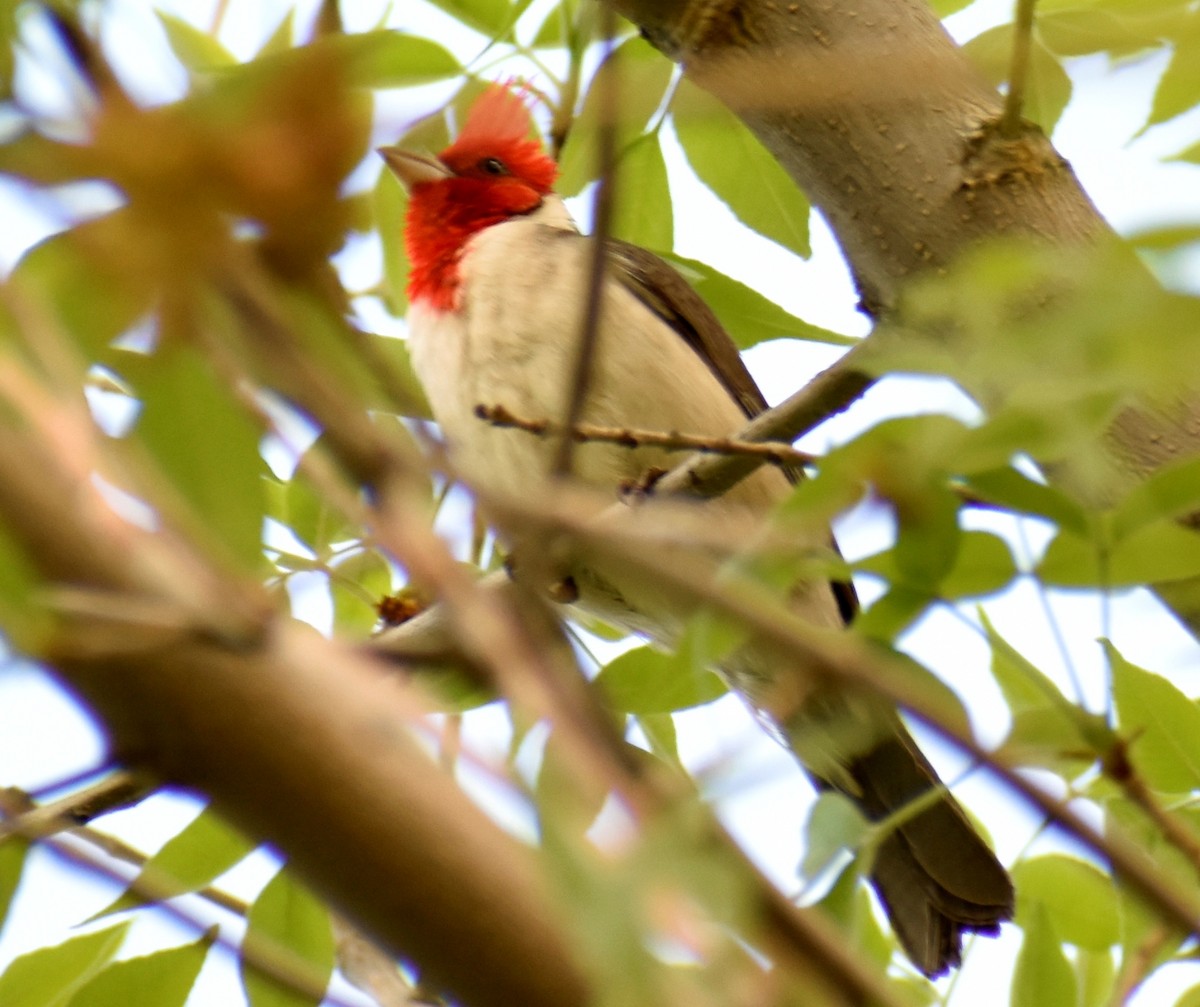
200,256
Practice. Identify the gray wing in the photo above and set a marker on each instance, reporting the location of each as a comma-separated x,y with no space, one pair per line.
669,296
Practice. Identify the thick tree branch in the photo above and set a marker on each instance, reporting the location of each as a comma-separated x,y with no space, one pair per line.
882,121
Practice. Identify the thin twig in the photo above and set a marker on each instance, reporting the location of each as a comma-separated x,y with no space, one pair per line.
1018,73
589,326
772,452
120,790
34,821
1118,768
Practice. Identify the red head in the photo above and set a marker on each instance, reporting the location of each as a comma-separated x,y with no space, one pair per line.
492,172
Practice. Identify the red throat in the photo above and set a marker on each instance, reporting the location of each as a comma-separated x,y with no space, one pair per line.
443,215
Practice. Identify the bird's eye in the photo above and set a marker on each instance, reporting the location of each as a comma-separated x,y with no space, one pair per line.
493,166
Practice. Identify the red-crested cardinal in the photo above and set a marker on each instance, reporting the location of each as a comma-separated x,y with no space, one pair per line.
499,274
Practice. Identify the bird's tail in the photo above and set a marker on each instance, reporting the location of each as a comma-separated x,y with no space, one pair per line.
934,874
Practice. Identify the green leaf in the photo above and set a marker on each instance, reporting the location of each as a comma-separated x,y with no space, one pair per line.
385,58
195,48
91,297
1172,491
893,613
1085,30
641,196
1047,728
1154,553
1160,723
835,825
642,76
1079,899
280,40
49,977
170,974
1096,974
286,917
1043,975
1189,997
1047,87
1179,87
204,850
13,851
659,729
354,607
393,354
730,160
849,904
746,315
205,443
390,203
1015,491
488,17
983,565
647,681
944,8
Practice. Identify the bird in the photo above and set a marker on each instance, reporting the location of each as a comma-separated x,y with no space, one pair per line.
498,282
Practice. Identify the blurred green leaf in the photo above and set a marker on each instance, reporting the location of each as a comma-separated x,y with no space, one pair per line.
1154,553
358,584
748,316
642,76
195,48
659,729
890,615
170,974
488,17
944,8
49,977
647,681
849,904
69,276
641,196
1179,87
286,916
1043,975
391,204
983,565
1015,491
1088,29
1096,974
202,851
202,439
1160,723
730,160
835,826
1172,491
1189,997
1047,728
280,40
1078,899
1047,87
13,852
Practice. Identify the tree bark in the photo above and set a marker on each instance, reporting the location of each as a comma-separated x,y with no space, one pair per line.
882,121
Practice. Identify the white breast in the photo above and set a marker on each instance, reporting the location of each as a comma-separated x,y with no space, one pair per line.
512,343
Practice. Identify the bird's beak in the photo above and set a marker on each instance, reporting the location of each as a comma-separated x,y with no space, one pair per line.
413,169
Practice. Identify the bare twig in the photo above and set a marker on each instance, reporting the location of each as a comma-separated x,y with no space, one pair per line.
772,452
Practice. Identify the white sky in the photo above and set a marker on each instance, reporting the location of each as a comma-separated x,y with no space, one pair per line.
762,796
